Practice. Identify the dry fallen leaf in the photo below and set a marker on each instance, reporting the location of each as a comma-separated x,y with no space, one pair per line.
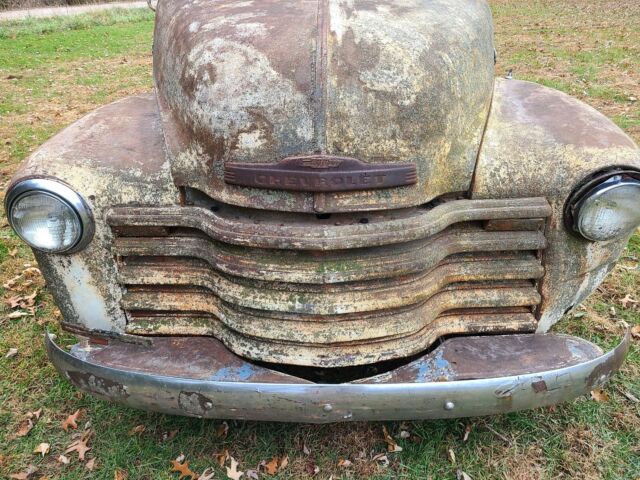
252,474
232,471
119,474
36,414
221,458
599,395
467,432
17,314
452,456
305,449
11,353
283,463
627,300
25,427
270,468
166,436
311,469
12,282
80,446
344,463
183,469
207,474
28,423
460,475
22,301
90,465
63,460
223,430
635,331
31,469
382,459
13,252
392,446
43,448
137,430
71,421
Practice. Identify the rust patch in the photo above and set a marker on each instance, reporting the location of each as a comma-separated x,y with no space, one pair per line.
539,386
98,386
471,358
194,403
184,357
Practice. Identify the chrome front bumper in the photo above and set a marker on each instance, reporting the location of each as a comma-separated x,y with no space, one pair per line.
199,377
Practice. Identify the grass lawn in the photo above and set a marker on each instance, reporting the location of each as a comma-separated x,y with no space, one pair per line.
54,71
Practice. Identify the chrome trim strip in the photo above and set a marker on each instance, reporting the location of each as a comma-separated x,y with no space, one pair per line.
323,403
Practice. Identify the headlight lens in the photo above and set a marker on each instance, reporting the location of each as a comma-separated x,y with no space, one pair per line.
45,222
49,216
609,210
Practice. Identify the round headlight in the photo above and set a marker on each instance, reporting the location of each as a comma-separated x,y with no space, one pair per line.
49,216
608,210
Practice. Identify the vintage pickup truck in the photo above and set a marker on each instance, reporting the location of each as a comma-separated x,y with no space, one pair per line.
329,210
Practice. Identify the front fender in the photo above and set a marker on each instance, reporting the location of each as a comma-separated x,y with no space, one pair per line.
541,142
113,156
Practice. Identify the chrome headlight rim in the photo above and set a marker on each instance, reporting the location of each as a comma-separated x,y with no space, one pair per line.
62,192
597,184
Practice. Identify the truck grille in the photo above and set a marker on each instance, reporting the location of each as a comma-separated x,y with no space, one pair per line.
331,290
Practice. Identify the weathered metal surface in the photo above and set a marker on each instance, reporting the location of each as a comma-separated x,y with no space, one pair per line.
376,274
316,299
196,358
302,232
320,173
330,267
113,156
391,81
471,358
274,305
227,396
329,329
333,354
543,142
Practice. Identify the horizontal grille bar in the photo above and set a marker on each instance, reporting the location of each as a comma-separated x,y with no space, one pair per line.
349,299
336,355
330,328
259,230
331,267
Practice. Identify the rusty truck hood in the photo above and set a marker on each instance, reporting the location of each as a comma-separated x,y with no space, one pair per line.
384,83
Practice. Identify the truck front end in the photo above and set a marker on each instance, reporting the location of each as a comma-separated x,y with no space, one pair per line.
329,210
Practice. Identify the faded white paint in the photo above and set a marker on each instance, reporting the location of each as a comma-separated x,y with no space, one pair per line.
238,66
88,302
251,140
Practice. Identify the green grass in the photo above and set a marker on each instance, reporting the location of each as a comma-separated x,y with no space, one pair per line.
56,25
66,67
30,50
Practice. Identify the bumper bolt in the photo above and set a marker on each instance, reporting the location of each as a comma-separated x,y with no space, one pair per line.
449,405
327,408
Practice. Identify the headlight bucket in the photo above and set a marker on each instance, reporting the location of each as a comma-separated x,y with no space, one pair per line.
606,206
49,216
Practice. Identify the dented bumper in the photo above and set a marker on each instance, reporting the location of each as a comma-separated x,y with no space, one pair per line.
465,376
